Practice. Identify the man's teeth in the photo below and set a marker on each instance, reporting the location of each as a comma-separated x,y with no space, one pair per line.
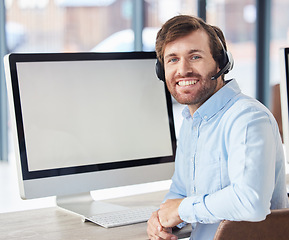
186,83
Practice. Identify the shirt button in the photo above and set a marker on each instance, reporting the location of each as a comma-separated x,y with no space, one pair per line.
205,117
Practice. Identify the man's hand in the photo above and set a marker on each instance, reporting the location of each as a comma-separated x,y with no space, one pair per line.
169,214
155,230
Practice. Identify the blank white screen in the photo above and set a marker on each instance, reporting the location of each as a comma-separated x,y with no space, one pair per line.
88,112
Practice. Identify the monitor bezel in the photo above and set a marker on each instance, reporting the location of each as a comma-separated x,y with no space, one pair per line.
284,91
15,58
285,58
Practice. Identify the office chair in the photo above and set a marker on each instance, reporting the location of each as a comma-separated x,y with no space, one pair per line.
274,227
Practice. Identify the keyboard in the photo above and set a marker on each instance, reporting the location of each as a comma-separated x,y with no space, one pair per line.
123,217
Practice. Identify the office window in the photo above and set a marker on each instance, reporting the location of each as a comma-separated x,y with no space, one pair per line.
237,19
159,11
63,25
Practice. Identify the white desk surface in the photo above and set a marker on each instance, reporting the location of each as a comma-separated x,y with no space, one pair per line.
56,223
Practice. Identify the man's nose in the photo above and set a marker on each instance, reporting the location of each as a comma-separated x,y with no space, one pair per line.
184,68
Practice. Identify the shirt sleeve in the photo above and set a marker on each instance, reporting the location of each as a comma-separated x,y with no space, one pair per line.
251,167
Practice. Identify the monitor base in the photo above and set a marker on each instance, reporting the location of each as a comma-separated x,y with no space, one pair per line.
85,205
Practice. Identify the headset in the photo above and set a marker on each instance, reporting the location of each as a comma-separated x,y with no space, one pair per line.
226,64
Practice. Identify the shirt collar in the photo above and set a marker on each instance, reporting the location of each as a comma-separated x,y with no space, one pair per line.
216,102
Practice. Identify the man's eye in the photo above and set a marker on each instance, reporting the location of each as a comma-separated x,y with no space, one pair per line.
195,57
173,60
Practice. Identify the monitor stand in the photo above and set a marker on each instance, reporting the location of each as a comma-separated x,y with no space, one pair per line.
85,205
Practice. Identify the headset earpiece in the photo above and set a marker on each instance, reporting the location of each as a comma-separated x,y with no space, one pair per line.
224,59
226,64
231,61
160,71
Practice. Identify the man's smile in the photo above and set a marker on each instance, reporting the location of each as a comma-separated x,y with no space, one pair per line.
186,82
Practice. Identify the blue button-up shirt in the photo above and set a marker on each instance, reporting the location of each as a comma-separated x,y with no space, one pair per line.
229,163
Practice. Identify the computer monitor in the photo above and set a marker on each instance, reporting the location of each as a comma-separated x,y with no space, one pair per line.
88,121
284,93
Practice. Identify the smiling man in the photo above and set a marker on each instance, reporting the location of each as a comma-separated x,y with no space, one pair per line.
189,66
229,161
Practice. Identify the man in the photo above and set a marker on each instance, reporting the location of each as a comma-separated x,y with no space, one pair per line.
229,161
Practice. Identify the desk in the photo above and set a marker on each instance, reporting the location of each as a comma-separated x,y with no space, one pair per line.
58,224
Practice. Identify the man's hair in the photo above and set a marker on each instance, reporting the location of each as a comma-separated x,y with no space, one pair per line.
183,25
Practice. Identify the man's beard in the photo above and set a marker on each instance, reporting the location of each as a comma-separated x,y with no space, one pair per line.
208,88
